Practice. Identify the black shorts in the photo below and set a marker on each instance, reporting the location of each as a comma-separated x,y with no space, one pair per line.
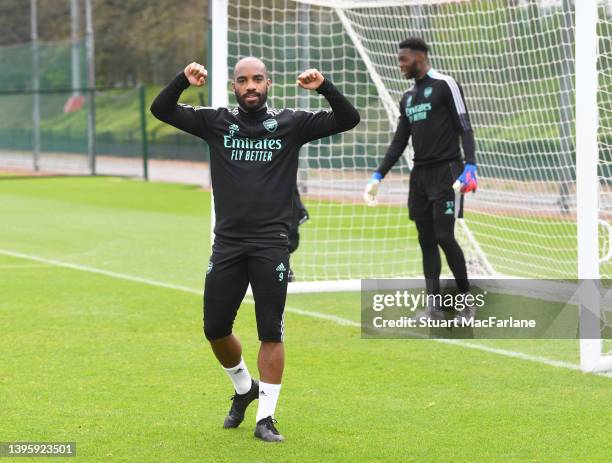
431,194
230,270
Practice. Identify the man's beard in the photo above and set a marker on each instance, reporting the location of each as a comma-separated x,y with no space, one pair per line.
263,97
411,73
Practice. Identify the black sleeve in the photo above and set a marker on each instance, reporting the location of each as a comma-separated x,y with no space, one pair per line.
319,124
398,144
469,147
460,114
166,108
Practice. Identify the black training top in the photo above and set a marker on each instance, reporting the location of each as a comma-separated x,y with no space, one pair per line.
254,156
434,113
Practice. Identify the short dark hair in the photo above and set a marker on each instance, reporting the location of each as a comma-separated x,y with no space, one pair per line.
415,44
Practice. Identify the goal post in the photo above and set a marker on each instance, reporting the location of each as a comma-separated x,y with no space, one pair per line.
588,156
536,88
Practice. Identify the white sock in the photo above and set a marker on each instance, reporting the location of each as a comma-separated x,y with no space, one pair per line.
240,377
268,395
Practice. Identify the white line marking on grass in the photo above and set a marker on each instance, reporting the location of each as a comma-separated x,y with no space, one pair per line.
85,268
307,313
322,316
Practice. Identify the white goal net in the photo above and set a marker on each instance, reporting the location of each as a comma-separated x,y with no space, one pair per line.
516,63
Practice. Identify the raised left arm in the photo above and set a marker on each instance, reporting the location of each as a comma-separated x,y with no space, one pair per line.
319,124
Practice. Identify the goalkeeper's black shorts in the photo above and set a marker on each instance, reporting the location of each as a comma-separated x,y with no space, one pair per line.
431,194
230,270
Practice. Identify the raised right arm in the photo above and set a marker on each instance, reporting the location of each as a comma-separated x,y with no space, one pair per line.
166,108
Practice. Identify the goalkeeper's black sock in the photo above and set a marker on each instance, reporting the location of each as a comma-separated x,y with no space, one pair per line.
445,236
432,265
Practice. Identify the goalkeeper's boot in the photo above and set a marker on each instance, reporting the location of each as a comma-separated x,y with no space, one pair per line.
266,431
431,312
464,317
240,402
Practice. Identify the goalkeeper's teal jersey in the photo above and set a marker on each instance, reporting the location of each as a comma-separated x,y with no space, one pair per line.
254,156
433,112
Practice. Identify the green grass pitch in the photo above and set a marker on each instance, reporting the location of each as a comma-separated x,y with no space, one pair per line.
120,366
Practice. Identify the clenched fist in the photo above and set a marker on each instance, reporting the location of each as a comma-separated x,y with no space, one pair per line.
310,79
196,74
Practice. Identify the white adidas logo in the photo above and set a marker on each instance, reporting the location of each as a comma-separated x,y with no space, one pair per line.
280,268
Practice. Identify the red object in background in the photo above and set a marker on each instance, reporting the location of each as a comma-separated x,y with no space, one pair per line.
74,103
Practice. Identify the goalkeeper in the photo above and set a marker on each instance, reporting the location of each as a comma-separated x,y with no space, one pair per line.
253,165
434,114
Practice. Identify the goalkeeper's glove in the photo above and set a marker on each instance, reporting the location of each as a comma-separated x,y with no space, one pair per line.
467,181
371,189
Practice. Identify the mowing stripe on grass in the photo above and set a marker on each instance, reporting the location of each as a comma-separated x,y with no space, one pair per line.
307,313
